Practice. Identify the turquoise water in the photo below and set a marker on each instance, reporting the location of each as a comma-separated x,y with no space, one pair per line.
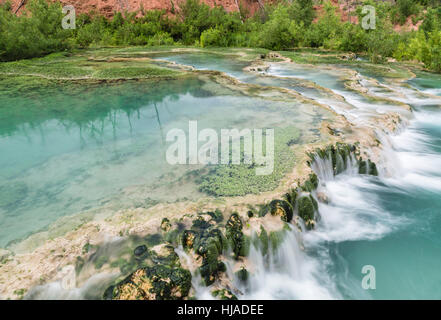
81,149
73,148
408,257
228,64
392,222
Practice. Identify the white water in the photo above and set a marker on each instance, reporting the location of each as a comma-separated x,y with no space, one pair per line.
354,211
288,273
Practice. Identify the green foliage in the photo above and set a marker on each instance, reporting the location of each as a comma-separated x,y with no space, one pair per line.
302,11
405,8
280,31
326,32
213,37
35,33
282,25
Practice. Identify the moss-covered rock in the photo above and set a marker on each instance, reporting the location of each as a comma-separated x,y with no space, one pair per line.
216,215
338,154
200,223
242,274
235,235
165,225
152,283
187,239
367,167
311,183
263,240
281,208
223,294
276,238
291,197
210,245
306,209
165,254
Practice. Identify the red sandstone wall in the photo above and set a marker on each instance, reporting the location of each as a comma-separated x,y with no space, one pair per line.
108,7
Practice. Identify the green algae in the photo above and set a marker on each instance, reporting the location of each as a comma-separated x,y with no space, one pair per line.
238,180
392,70
84,66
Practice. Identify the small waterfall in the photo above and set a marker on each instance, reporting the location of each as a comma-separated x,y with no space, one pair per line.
284,272
201,292
324,169
287,273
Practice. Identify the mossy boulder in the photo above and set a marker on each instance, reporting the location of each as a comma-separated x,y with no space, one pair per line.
276,238
165,254
367,167
200,223
263,240
242,274
306,209
210,245
235,235
216,215
338,154
281,208
223,294
140,250
311,183
165,225
187,239
152,283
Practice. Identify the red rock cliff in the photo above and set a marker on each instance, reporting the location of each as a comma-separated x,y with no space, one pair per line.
108,7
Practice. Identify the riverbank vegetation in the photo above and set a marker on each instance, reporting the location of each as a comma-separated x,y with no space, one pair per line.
280,26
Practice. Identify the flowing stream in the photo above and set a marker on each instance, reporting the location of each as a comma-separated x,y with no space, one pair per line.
391,222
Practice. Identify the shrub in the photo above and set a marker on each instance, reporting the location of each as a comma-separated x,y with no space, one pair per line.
35,33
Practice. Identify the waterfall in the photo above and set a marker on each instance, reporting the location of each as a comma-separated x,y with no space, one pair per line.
287,273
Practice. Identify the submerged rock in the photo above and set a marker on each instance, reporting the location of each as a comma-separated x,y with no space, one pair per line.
140,250
4,254
322,197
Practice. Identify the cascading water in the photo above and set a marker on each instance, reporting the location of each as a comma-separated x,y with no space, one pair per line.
287,273
390,222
